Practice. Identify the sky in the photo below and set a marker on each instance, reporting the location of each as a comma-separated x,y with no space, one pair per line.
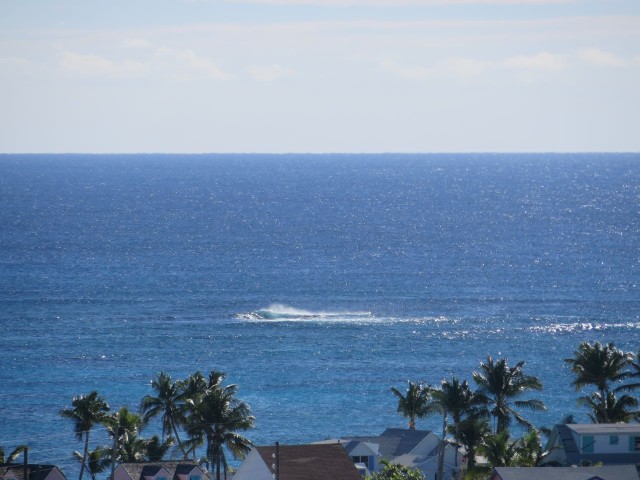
319,76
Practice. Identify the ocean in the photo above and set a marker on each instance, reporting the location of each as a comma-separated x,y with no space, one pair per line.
316,282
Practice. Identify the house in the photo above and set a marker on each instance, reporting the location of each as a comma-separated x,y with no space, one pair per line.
416,449
166,470
298,462
588,444
616,472
15,471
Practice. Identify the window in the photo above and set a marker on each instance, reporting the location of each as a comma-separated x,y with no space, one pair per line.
613,440
194,477
361,459
587,443
636,444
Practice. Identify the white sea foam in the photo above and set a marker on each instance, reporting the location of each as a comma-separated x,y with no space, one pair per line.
583,327
286,313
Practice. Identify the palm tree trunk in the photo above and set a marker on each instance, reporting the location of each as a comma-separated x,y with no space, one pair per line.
443,444
603,404
86,453
175,432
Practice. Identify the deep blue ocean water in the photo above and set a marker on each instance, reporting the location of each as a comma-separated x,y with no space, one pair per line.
316,282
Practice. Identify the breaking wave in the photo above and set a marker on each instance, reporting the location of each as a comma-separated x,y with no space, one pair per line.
279,312
577,327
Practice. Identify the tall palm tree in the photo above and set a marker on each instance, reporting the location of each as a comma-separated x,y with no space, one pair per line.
167,404
612,409
193,388
98,460
124,427
457,399
415,403
86,412
453,398
599,365
217,415
501,385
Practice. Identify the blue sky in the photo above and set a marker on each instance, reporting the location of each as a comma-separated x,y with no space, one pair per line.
319,75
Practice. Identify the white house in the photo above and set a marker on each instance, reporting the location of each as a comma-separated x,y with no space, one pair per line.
298,462
588,444
166,470
411,448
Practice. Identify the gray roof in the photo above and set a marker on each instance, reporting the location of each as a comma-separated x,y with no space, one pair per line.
36,471
143,469
393,442
604,428
618,472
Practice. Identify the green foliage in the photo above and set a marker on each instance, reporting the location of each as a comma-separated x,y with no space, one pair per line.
215,416
503,385
86,412
603,366
415,403
392,471
98,460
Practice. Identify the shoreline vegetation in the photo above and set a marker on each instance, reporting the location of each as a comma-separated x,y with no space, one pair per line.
202,420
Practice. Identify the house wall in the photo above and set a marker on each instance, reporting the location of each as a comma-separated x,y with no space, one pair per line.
163,474
55,475
121,474
361,450
607,443
195,472
253,468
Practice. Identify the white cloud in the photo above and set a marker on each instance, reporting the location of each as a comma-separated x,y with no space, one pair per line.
137,43
269,73
460,67
94,65
601,58
540,61
187,63
164,62
13,62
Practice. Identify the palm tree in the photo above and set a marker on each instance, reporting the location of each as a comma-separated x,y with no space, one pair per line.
415,403
156,449
168,404
455,398
598,365
529,449
193,388
98,460
612,409
499,449
124,427
217,416
501,384
471,433
88,410
16,452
